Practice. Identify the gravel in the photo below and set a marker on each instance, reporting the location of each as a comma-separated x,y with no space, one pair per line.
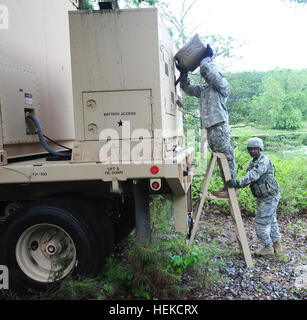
272,278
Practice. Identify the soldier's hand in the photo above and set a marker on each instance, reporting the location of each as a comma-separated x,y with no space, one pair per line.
183,73
183,77
208,52
233,183
181,69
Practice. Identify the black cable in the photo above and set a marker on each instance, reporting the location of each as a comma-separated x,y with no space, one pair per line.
60,145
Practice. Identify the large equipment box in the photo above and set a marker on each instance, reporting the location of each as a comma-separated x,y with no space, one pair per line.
124,90
35,74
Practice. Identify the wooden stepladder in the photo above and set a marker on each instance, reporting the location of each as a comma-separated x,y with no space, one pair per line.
233,202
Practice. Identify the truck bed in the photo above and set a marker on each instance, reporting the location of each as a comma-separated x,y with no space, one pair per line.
41,170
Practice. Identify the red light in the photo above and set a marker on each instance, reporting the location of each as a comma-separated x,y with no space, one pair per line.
155,185
154,169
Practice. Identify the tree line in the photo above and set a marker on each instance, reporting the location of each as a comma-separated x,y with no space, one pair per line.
276,99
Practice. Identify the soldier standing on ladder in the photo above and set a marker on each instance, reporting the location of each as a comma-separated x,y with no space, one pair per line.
213,96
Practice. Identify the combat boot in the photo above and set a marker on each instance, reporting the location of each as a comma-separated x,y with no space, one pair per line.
223,193
277,247
265,251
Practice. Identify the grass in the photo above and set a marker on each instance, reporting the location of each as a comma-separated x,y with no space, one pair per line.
288,143
244,129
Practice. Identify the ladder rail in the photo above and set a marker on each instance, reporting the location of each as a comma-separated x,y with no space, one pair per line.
234,207
203,195
233,202
205,185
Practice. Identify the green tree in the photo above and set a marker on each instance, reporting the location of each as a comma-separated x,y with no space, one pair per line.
87,4
244,86
282,100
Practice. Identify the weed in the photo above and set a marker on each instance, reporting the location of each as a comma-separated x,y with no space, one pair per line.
296,228
156,271
257,288
281,256
72,288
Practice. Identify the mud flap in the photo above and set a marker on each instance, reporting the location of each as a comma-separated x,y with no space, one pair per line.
142,213
182,207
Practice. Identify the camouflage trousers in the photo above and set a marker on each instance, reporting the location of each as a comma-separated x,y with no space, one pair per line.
266,222
219,141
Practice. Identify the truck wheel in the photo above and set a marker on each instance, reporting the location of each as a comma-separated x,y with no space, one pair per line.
45,252
42,244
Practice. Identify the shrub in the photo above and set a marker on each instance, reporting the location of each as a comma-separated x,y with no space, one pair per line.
289,119
291,175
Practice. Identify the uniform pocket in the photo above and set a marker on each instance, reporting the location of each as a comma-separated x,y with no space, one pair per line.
256,190
272,187
263,190
266,212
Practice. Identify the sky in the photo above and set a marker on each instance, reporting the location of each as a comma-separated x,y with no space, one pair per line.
273,32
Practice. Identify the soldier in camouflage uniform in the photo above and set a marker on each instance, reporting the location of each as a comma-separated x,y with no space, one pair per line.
213,96
260,177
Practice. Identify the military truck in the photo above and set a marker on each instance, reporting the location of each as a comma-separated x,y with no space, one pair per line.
91,125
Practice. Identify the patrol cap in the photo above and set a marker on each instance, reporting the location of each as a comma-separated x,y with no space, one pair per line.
255,143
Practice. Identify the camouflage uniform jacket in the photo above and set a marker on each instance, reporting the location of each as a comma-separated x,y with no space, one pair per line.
213,95
260,176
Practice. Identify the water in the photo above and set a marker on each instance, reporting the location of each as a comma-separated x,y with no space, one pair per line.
297,152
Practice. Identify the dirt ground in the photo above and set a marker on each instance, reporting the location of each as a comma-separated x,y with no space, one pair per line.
274,278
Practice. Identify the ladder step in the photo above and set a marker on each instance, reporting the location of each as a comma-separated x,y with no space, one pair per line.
212,197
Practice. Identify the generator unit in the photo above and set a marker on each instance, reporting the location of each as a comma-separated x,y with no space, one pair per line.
124,90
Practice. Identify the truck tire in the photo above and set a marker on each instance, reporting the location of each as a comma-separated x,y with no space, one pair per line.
43,243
